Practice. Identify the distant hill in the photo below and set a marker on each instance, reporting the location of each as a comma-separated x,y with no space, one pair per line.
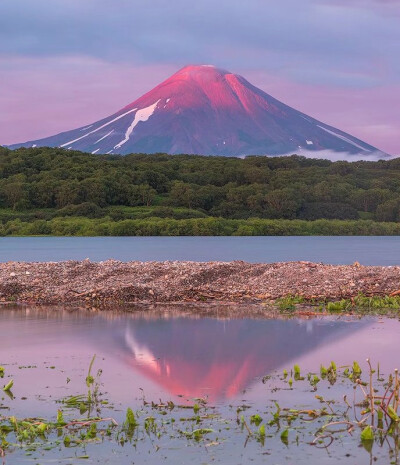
208,111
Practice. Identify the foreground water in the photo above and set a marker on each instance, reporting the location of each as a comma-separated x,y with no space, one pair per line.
181,357
370,250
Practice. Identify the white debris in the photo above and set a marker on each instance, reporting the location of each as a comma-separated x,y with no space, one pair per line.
95,151
141,115
346,139
101,138
310,142
168,99
101,127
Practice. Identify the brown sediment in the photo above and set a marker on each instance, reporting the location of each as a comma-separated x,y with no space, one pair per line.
117,283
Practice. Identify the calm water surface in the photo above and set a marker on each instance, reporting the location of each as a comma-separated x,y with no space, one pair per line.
375,250
180,357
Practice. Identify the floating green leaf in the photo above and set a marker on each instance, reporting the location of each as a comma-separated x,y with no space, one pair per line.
285,436
92,431
392,413
367,434
8,386
255,419
60,418
356,369
130,421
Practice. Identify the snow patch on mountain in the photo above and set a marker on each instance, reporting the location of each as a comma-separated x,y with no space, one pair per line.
141,116
101,138
98,129
346,139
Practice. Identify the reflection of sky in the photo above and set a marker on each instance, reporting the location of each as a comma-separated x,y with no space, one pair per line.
64,64
134,352
377,340
167,356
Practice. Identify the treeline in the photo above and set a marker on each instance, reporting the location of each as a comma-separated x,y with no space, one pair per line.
197,227
44,183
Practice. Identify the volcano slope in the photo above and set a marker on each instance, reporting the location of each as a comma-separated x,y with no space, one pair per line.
208,111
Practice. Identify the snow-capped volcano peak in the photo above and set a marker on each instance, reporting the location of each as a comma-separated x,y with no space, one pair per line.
202,109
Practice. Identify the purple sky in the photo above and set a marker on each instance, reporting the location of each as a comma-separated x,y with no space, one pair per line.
67,63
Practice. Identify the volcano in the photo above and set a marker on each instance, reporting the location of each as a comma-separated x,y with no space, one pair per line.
208,111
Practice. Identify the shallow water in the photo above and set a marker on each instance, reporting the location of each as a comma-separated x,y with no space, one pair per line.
371,250
180,357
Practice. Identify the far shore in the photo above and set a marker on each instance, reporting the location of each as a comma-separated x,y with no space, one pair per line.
112,283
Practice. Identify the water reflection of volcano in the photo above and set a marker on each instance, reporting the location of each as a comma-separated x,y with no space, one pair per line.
194,357
185,355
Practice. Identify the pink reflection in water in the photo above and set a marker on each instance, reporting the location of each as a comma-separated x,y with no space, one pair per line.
170,356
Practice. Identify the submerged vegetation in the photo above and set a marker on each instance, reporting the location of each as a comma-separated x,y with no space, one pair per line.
50,191
362,407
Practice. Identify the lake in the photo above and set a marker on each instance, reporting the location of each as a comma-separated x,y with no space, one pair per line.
368,250
232,367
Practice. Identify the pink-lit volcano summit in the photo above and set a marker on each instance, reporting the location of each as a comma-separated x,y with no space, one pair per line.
209,111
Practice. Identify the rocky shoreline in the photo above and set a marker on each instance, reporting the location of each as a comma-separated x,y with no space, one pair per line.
114,283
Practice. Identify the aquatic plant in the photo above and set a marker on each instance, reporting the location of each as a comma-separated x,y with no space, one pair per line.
379,407
371,418
8,386
386,305
289,302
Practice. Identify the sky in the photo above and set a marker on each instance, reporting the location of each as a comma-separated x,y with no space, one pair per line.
67,63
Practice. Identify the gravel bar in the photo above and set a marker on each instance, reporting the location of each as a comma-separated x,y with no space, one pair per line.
119,283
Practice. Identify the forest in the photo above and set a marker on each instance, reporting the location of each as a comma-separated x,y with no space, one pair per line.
54,191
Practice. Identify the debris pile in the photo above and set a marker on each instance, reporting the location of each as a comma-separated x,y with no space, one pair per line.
118,283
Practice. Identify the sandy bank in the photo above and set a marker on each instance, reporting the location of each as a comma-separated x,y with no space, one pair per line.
116,283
